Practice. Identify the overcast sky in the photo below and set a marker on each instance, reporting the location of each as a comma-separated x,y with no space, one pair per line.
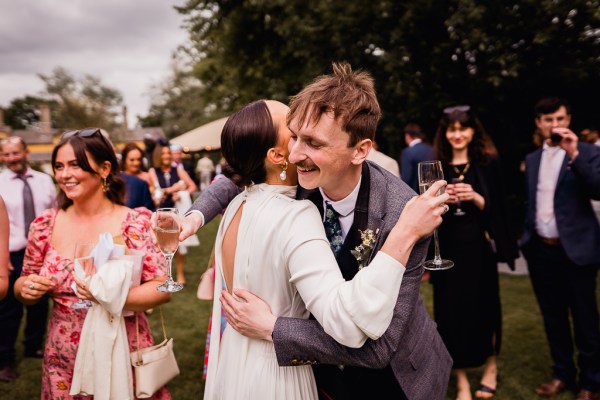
126,43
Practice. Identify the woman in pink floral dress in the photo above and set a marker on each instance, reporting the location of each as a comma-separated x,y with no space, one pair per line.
90,202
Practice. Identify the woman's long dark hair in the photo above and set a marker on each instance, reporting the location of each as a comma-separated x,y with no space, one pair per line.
101,150
247,136
479,146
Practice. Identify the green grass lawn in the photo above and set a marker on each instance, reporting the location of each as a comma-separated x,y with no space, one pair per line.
524,361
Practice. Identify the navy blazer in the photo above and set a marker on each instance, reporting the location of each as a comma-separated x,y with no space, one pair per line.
409,160
137,192
578,182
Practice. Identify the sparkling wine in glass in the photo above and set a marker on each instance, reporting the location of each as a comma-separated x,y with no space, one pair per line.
429,173
167,237
83,264
458,212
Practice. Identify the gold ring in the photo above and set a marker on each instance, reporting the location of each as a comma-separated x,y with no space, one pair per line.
31,286
446,208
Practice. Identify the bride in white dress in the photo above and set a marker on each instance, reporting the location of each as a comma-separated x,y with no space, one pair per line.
275,246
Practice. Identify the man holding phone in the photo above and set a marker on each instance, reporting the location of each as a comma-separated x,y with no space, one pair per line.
561,243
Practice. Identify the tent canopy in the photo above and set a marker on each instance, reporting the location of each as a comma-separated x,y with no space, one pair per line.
205,137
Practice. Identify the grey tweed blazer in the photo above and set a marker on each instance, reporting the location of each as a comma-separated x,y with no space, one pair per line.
411,344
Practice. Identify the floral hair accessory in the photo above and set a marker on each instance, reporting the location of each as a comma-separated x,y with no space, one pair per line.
363,251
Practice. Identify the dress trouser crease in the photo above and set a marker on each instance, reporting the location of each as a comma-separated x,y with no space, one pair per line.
565,289
11,312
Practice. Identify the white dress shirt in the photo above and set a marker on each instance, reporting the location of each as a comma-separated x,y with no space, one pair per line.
550,164
11,190
345,208
414,142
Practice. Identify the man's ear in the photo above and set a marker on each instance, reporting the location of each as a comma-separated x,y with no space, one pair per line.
361,151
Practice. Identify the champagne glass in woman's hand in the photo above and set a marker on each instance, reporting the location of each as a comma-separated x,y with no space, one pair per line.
167,237
429,172
83,265
458,212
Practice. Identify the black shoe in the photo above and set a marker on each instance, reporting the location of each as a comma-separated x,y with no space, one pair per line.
8,374
34,354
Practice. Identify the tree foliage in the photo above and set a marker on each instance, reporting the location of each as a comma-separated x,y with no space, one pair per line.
82,102
24,113
178,103
498,57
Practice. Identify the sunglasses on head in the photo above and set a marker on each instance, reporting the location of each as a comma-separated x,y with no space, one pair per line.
82,133
450,110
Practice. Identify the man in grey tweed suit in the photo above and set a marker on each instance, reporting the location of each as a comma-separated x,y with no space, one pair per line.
333,122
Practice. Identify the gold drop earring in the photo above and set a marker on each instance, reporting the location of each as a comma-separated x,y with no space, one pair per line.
283,174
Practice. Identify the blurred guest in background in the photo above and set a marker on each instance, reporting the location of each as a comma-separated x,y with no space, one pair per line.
26,194
4,252
90,202
475,235
204,169
132,164
137,181
416,151
174,183
180,162
561,243
383,160
590,136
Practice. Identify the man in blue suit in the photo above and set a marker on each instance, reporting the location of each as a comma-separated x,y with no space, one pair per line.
561,242
416,152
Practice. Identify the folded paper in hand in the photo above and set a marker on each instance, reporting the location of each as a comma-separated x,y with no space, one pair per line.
107,250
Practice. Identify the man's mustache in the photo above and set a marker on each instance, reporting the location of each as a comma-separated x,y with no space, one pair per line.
305,165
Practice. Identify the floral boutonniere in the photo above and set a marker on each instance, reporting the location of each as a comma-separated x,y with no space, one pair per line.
362,252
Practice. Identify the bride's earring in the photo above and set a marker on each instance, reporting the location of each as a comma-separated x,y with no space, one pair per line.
283,174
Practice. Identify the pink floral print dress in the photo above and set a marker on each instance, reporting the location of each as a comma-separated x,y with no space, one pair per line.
66,323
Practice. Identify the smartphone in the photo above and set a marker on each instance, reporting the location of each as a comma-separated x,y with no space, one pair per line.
555,138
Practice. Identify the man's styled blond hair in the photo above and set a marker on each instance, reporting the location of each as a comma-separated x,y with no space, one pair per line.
348,95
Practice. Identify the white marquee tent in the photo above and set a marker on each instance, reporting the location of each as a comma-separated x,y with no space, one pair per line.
205,137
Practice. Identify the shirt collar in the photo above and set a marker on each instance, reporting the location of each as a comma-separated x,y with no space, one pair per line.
27,173
414,142
345,206
551,149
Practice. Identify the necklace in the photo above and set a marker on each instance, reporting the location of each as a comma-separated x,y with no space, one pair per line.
461,174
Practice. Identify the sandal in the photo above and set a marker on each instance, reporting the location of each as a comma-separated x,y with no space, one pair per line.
485,389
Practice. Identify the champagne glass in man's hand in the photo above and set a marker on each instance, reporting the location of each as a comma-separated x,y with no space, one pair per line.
167,236
430,172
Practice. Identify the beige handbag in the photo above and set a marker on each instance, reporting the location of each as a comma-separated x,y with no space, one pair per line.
153,366
206,286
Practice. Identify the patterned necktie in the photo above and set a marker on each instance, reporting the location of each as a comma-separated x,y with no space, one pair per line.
28,206
333,229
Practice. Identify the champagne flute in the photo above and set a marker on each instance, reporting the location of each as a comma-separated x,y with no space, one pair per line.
83,264
167,237
458,212
429,172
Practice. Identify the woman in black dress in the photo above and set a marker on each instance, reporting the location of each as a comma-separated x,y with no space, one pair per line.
170,180
475,235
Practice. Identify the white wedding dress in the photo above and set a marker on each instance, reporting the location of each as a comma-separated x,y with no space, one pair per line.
283,257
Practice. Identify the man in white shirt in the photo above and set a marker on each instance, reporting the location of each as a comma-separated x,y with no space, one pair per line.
561,243
204,169
384,160
26,193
